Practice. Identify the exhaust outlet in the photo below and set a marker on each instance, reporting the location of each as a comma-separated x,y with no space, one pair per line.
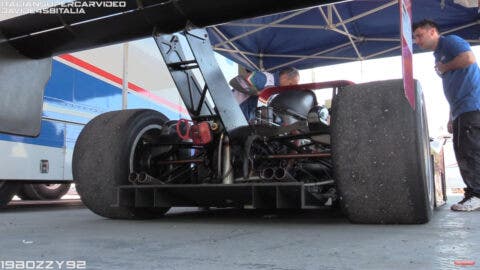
145,178
280,173
283,174
133,178
267,173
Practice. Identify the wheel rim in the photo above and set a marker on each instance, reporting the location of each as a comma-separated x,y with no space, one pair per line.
52,186
137,149
146,153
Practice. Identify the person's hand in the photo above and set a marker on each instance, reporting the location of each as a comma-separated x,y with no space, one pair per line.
450,127
440,68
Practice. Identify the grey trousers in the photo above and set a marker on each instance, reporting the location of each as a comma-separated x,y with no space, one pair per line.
466,144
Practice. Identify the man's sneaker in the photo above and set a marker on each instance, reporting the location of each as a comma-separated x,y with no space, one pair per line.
467,204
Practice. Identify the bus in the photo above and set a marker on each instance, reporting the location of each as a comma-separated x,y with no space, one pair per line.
83,85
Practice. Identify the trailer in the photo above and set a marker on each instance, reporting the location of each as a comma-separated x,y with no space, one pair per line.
372,159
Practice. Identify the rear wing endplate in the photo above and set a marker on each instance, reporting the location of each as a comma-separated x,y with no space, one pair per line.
22,83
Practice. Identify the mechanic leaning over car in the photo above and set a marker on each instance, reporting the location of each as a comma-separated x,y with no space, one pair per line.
455,63
247,86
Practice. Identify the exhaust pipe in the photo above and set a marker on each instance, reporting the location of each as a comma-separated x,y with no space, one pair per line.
267,173
283,174
145,178
133,178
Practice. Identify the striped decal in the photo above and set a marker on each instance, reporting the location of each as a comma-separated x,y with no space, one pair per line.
65,111
119,81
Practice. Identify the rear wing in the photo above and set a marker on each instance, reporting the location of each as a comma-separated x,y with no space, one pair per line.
41,35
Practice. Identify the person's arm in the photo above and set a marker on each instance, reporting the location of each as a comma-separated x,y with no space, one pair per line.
450,124
462,60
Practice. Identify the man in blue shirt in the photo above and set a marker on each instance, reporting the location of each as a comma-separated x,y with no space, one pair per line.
455,63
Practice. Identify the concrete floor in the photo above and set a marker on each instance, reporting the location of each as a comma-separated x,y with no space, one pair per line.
233,239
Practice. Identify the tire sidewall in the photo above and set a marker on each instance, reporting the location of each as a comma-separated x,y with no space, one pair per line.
425,157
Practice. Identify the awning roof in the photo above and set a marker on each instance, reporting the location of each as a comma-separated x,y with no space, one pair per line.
343,32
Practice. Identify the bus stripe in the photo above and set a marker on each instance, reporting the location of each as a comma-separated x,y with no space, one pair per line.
109,76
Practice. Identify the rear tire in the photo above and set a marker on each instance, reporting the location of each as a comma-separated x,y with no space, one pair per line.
101,161
7,191
381,154
42,191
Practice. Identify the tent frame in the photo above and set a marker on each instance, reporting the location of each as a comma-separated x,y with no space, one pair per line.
328,13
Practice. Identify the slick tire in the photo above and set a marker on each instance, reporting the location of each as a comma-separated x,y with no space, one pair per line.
101,161
381,154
